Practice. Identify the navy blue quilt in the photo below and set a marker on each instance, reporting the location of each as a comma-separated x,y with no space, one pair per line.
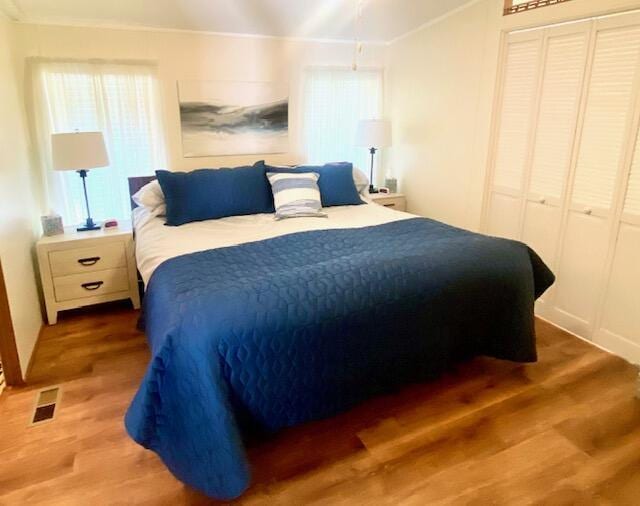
298,327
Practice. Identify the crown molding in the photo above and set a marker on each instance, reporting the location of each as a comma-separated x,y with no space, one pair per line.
433,21
145,28
11,11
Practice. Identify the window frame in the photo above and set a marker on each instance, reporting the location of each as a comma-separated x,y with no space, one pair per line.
57,186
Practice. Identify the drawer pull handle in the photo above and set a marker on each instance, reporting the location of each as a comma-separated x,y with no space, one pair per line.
389,205
94,285
88,261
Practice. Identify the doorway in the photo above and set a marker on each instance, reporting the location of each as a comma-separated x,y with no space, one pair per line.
9,362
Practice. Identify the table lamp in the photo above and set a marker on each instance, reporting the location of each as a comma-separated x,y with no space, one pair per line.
80,151
374,134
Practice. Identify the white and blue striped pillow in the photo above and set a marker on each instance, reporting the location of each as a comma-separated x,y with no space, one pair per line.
295,195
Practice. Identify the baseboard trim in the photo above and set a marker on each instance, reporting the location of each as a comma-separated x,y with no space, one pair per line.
32,359
582,338
619,345
603,347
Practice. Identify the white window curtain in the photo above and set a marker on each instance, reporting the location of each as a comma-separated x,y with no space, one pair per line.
119,99
335,100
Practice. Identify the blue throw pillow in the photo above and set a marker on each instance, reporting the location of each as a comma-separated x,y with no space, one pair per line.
336,182
206,194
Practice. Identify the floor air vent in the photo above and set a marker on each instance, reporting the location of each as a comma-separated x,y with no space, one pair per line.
47,401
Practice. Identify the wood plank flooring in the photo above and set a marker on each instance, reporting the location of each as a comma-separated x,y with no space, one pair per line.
563,431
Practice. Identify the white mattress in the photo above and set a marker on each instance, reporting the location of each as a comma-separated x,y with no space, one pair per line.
156,243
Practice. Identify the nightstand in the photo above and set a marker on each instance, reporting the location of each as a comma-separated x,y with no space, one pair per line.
395,201
84,268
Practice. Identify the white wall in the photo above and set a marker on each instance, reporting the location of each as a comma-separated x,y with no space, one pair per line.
18,212
199,56
441,81
179,56
435,146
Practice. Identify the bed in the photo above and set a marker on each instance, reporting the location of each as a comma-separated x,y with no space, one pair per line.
256,324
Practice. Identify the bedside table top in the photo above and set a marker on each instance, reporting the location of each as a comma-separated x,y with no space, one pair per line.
374,196
71,234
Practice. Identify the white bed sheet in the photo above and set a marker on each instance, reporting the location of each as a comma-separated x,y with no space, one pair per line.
156,243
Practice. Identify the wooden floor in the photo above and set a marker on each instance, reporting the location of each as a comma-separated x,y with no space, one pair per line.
563,431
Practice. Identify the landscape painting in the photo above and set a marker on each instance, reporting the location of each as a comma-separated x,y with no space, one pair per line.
233,118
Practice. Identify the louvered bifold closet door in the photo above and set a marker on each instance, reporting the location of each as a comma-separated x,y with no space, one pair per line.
514,130
619,324
565,54
602,142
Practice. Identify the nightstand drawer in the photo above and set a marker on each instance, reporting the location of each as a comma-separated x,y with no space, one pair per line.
75,261
397,203
81,269
90,284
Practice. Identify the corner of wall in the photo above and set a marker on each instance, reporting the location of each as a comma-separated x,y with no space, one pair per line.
19,213
440,88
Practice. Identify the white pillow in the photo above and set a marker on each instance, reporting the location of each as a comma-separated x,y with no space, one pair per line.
151,197
361,181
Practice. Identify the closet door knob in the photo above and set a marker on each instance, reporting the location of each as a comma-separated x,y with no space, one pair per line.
587,210
542,200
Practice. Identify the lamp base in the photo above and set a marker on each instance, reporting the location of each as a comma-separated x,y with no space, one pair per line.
86,229
88,225
373,189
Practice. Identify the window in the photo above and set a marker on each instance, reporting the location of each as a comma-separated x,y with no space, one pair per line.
335,100
514,6
120,100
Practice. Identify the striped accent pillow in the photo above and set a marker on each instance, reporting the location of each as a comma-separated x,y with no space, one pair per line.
295,195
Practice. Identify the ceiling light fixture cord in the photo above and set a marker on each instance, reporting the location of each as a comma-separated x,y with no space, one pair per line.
357,50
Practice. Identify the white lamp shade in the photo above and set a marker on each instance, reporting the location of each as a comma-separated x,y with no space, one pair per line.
374,133
79,150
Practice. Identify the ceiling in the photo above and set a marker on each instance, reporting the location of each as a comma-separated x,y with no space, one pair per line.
382,20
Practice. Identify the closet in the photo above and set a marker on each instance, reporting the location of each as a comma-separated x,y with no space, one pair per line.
564,171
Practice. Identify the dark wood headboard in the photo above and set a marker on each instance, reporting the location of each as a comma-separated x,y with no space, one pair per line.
135,183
